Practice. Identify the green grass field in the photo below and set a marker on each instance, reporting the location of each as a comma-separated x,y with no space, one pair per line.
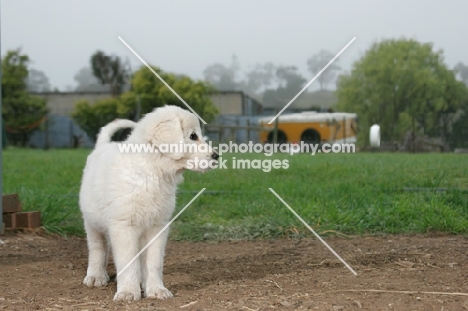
342,193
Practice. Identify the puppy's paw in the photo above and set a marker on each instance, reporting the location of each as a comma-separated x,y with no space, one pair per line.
127,296
96,281
159,293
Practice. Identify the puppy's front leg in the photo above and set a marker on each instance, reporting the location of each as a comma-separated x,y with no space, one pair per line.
153,285
124,243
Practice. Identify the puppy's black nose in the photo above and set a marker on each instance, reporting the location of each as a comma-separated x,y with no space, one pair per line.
215,156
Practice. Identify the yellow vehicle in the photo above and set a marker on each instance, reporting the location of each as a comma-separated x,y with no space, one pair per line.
311,127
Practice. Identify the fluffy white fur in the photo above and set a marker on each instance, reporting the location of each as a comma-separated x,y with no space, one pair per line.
127,198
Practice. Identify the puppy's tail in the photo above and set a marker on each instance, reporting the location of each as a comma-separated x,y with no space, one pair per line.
107,131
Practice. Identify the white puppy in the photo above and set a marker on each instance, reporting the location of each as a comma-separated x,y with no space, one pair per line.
127,198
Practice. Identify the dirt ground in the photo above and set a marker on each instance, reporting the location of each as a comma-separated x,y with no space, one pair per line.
39,272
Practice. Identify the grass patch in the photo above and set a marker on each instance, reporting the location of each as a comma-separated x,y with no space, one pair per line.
48,181
347,193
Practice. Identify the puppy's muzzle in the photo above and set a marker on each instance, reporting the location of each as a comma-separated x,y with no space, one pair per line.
215,156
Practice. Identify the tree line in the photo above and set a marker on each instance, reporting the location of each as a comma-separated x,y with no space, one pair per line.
274,84
401,84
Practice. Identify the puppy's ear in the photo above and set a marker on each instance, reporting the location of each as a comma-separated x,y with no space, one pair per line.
169,133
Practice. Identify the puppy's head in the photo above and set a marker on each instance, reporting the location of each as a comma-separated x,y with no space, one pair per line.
176,134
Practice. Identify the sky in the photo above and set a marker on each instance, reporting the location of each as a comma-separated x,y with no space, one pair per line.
185,37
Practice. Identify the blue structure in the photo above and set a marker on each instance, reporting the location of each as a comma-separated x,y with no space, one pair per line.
60,132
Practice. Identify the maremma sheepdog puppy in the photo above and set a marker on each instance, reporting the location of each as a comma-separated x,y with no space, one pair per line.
126,198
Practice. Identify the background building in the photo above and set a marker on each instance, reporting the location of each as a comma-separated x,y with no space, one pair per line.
235,108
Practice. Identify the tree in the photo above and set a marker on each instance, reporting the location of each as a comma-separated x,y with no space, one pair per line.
259,78
289,83
21,112
458,137
462,70
87,82
320,60
224,78
15,73
402,85
91,117
37,81
147,93
109,70
152,93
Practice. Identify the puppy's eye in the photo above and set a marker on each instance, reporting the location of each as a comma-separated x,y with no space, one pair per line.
193,136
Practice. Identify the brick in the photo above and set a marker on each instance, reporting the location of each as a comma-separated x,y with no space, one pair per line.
28,220
10,220
11,203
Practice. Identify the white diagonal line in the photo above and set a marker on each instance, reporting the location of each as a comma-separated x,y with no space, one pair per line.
159,233
315,233
159,77
316,76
